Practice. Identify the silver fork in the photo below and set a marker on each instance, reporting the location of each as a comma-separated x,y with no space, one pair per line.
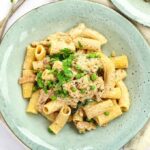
12,10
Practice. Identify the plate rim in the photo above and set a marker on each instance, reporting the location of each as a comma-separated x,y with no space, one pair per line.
21,137
128,13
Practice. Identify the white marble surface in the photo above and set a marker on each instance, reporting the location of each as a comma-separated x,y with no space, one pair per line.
7,140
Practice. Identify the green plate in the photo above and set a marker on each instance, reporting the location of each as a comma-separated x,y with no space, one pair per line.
138,10
122,37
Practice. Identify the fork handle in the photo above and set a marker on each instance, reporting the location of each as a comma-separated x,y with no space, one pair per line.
10,13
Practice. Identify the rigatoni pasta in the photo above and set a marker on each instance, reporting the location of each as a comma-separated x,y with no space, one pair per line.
61,119
32,106
86,43
27,84
68,78
124,101
120,62
99,108
29,58
114,93
52,106
107,116
40,52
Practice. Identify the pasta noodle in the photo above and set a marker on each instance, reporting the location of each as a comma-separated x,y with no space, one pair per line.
121,62
68,78
75,32
32,106
103,119
109,73
52,107
124,101
88,44
50,117
61,119
27,87
29,58
114,93
92,34
40,52
95,110
120,74
61,41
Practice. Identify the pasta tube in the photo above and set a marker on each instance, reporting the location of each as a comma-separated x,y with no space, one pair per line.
32,106
52,106
88,44
60,41
27,87
89,33
114,93
29,58
109,72
40,52
50,117
111,114
61,119
120,62
94,110
120,74
75,32
124,101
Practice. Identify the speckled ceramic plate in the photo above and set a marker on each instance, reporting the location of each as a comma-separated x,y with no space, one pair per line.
122,36
138,10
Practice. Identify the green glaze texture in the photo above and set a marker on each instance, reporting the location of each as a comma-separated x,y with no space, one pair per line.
138,10
122,37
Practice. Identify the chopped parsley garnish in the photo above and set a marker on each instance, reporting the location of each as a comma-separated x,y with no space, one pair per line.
68,73
61,93
53,98
35,88
93,77
106,113
79,75
73,89
93,55
40,82
45,89
87,101
80,45
48,67
82,91
90,120
54,59
68,61
64,54
39,74
64,76
50,131
49,84
92,87
78,68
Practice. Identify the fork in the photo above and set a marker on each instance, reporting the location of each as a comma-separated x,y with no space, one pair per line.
12,10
